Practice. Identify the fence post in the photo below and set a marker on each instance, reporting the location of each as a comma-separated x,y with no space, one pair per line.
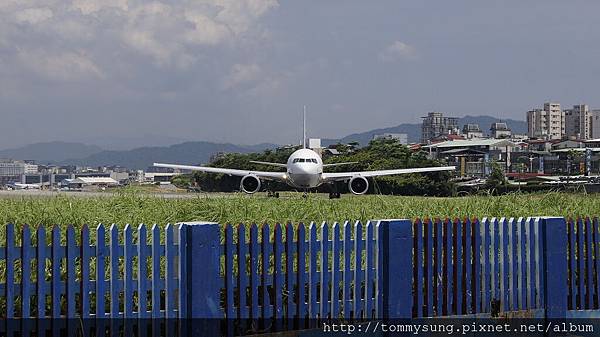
203,280
553,233
397,266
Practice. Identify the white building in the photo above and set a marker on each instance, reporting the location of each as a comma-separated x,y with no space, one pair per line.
402,138
548,123
471,131
500,130
82,182
578,122
9,168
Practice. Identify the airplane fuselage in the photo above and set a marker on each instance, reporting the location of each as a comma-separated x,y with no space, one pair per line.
304,169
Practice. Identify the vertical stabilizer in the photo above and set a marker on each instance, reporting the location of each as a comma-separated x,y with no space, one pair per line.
304,129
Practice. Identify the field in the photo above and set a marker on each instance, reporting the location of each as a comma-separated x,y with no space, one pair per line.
135,208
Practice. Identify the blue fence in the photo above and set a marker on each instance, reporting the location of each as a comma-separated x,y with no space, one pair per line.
492,266
287,277
302,275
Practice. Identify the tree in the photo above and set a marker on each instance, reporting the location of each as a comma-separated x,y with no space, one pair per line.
496,179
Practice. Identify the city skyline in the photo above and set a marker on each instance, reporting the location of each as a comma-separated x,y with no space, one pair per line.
240,71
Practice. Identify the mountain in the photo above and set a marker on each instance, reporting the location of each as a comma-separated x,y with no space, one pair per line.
50,152
199,152
125,143
191,153
413,131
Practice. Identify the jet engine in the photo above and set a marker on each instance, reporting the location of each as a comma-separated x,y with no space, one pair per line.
358,185
250,184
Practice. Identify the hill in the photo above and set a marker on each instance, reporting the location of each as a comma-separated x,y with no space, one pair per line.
191,153
413,131
50,152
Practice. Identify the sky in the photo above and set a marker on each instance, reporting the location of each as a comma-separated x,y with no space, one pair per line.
240,71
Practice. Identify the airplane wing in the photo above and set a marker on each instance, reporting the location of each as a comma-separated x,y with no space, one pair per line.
267,163
232,172
366,174
339,164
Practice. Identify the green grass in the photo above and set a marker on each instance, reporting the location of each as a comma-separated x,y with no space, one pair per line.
135,208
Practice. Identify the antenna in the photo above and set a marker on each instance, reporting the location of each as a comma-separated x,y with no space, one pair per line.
304,129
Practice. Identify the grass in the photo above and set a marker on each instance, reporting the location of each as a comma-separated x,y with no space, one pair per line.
135,208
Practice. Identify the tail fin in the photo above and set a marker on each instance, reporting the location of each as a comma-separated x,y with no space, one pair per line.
304,129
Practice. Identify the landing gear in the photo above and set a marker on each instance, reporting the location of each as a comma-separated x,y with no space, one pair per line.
272,194
334,195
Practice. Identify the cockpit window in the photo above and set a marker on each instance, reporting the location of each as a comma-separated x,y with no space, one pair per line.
305,160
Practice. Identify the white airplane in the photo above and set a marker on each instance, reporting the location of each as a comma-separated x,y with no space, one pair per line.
304,170
21,186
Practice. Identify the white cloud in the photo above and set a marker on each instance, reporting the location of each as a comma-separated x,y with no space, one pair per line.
241,74
206,30
88,7
169,34
33,15
67,66
396,51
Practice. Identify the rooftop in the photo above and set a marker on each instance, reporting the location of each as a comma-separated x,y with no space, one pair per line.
473,142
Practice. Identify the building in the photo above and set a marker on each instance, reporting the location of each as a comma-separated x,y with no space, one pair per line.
11,168
471,131
547,123
158,177
578,122
402,138
596,123
473,157
435,125
500,130
89,182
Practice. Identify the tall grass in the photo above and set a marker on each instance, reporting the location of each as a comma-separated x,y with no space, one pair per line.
136,208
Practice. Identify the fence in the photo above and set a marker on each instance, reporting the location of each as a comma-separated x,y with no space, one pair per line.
251,279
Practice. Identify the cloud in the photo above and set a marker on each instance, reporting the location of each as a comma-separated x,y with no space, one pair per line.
88,7
241,74
398,50
33,15
97,35
68,66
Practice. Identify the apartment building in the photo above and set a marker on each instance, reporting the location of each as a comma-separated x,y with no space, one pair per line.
436,125
578,122
548,123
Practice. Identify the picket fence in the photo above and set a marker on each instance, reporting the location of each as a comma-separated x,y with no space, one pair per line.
242,280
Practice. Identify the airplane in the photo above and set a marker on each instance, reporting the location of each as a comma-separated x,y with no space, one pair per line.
21,186
304,170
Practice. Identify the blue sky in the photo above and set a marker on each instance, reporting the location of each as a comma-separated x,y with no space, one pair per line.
240,70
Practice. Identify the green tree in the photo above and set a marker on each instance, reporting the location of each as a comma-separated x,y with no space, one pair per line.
496,180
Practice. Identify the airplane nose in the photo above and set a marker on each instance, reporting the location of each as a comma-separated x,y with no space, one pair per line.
305,169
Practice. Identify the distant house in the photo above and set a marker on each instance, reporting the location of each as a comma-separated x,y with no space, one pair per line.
500,130
541,145
568,144
402,138
471,131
